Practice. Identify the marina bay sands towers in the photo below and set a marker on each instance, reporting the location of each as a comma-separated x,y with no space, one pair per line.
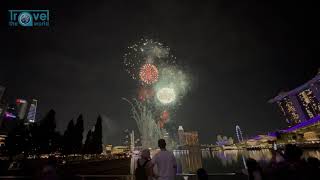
301,103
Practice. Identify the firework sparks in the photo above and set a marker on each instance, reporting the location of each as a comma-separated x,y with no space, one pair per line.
171,77
147,126
149,73
163,84
146,51
166,95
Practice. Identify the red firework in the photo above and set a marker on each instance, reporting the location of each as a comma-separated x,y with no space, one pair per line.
149,73
145,93
164,116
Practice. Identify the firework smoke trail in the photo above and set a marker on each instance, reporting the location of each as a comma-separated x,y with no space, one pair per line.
146,124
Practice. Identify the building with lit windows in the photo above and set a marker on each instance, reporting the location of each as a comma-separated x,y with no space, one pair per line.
31,118
11,112
300,104
2,104
181,135
189,138
2,89
22,106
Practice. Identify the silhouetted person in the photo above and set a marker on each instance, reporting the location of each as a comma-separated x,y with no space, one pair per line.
254,170
313,168
293,167
313,162
165,162
202,174
144,169
292,153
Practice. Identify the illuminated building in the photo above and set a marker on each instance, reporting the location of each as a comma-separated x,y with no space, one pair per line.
107,149
2,110
2,105
2,140
32,111
310,103
189,138
301,103
2,89
181,135
22,106
120,150
11,112
311,136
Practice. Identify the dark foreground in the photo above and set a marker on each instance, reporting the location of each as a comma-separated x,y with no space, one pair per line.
34,169
91,170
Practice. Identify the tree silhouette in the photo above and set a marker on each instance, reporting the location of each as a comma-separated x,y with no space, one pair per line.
68,137
97,136
78,134
88,144
46,132
42,138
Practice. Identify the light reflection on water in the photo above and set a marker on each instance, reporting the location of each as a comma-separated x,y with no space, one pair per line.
224,161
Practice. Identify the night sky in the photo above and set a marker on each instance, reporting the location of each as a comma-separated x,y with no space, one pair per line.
239,54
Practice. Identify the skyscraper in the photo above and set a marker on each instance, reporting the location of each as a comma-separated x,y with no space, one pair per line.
289,110
2,89
2,105
189,138
11,112
301,103
181,135
22,106
32,111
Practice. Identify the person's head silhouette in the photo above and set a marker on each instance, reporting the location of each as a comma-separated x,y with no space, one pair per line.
202,174
162,143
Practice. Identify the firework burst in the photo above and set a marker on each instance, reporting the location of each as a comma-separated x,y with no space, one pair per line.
162,86
149,73
146,51
172,85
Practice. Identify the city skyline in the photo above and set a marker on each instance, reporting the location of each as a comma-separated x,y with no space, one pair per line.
240,55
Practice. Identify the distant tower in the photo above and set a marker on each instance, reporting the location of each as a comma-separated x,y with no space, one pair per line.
181,135
22,106
2,105
32,111
132,142
240,140
2,89
239,134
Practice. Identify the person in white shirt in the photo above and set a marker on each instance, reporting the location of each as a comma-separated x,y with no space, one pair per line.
165,162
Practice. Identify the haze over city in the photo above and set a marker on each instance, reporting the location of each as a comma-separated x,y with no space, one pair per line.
239,55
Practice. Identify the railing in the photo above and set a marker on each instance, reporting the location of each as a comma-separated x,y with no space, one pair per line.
131,177
15,177
113,177
230,176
